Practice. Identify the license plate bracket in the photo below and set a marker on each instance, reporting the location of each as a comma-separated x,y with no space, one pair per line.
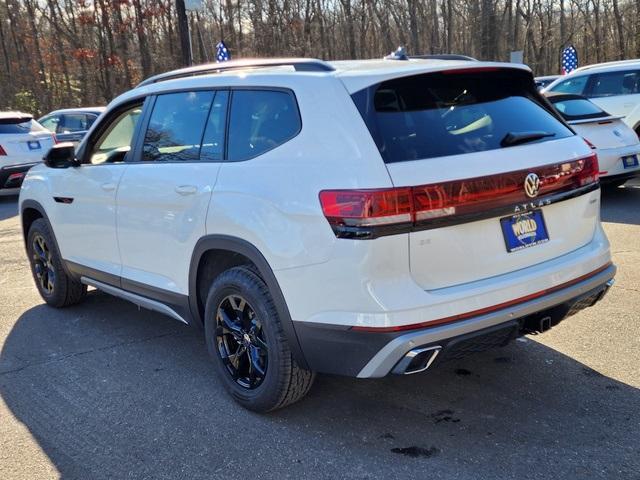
524,230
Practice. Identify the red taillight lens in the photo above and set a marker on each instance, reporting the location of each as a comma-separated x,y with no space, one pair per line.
427,206
55,139
367,207
590,172
2,151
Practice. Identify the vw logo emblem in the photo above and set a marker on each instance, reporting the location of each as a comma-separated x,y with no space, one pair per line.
617,133
532,185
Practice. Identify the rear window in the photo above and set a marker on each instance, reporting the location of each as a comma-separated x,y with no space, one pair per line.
19,125
436,115
578,109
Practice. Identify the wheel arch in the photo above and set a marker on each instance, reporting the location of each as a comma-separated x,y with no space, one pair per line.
30,211
217,253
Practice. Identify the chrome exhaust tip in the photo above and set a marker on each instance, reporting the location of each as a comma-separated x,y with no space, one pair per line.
417,360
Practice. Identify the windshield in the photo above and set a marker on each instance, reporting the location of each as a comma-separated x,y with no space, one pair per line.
441,114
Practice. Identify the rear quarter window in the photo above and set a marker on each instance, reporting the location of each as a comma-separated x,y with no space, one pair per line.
261,120
438,114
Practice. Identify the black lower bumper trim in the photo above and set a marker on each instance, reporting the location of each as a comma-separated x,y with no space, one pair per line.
339,350
621,177
12,176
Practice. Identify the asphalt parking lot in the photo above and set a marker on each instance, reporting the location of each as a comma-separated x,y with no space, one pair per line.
103,390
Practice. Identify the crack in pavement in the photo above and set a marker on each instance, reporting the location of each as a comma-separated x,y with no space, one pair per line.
84,352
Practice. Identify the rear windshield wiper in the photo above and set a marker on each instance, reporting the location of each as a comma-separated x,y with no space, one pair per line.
516,138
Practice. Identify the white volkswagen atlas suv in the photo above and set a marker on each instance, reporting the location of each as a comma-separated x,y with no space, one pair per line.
360,218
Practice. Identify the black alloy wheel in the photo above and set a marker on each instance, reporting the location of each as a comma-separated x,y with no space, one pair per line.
241,341
43,264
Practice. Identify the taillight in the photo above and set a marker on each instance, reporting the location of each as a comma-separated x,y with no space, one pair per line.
373,213
364,208
55,139
2,151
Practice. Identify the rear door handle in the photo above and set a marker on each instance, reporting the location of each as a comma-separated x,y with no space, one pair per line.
186,189
108,187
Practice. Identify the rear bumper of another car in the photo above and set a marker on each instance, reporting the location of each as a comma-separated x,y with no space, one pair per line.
611,166
371,354
11,177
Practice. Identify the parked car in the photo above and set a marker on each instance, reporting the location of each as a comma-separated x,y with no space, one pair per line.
617,145
542,82
71,124
613,86
429,210
23,143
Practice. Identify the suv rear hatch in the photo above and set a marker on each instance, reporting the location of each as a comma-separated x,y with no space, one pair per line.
22,139
466,141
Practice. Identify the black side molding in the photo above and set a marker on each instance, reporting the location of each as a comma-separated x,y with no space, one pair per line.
66,200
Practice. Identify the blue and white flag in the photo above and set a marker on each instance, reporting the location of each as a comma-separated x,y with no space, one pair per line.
222,52
569,59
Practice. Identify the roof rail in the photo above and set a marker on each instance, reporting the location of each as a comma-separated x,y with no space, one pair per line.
609,64
299,64
444,56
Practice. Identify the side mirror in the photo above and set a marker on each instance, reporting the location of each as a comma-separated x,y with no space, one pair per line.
61,155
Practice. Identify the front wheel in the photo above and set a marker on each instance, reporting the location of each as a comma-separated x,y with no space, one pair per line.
54,285
245,338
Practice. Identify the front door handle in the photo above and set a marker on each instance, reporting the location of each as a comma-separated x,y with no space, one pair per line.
186,189
108,187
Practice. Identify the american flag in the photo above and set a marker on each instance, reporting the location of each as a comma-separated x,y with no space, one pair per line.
222,52
569,59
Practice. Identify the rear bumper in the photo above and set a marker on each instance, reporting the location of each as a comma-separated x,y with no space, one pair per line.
620,177
343,350
11,176
611,166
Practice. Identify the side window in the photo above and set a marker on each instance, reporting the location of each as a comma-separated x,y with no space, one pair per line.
72,122
50,123
91,118
213,141
176,126
615,83
114,143
572,85
260,120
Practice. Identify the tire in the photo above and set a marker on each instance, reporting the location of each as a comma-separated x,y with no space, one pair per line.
277,380
54,285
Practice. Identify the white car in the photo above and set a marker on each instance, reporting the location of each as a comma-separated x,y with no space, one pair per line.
613,86
23,143
617,145
359,218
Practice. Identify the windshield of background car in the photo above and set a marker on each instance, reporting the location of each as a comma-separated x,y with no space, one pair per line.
452,113
571,85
